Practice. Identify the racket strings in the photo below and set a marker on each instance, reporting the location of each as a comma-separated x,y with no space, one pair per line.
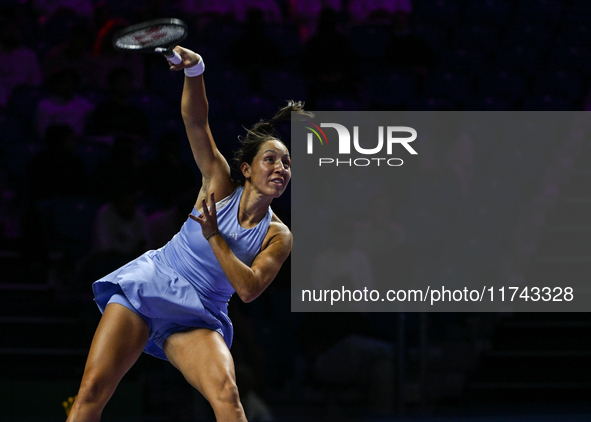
150,37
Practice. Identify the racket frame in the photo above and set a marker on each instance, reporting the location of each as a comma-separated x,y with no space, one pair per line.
146,25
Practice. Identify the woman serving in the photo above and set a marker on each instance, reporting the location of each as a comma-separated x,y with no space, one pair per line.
172,302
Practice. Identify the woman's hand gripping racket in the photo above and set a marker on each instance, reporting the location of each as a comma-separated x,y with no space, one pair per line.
155,36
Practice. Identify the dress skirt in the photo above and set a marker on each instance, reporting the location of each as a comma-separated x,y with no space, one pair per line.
167,301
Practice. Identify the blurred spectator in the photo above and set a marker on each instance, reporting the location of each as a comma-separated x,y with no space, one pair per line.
449,154
56,172
122,166
328,59
270,10
118,115
342,350
406,49
251,362
10,210
108,59
120,230
382,237
164,224
103,13
376,11
49,7
255,408
339,350
64,105
120,227
255,51
19,13
19,64
75,53
152,9
166,176
203,12
305,14
56,27
381,226
342,262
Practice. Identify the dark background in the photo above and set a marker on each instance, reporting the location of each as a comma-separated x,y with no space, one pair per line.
441,55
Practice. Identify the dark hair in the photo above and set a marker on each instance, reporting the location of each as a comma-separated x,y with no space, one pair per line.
264,131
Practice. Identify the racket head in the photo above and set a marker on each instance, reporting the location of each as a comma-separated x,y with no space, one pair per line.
145,37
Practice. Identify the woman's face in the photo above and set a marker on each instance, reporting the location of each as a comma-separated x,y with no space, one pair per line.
270,170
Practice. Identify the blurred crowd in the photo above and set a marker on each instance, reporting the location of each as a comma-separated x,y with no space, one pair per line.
94,165
78,118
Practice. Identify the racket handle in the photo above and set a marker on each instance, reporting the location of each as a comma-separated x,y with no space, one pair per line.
174,57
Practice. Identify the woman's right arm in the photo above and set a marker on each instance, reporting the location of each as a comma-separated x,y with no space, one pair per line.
194,108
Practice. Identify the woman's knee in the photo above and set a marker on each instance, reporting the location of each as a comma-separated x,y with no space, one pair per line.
95,389
225,392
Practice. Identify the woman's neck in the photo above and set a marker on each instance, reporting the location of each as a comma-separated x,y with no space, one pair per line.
253,207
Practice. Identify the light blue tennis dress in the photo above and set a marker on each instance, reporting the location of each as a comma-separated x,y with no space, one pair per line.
182,284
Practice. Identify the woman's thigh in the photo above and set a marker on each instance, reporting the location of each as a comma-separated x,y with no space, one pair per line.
203,358
118,342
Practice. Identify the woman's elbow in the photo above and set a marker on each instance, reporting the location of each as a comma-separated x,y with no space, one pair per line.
252,286
249,293
247,297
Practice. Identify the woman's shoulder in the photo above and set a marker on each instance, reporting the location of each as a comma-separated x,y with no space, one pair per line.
278,227
278,234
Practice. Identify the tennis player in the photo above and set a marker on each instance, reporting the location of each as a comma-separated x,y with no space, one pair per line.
172,302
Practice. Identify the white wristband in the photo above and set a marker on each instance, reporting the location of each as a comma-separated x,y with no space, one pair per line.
196,70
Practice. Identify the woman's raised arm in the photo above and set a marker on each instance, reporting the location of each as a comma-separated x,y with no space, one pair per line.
194,108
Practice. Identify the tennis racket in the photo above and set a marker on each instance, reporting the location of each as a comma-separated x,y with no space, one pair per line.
155,36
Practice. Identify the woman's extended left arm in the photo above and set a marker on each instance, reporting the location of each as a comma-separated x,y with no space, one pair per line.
249,282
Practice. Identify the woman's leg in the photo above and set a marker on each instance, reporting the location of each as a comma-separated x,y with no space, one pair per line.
118,342
206,363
